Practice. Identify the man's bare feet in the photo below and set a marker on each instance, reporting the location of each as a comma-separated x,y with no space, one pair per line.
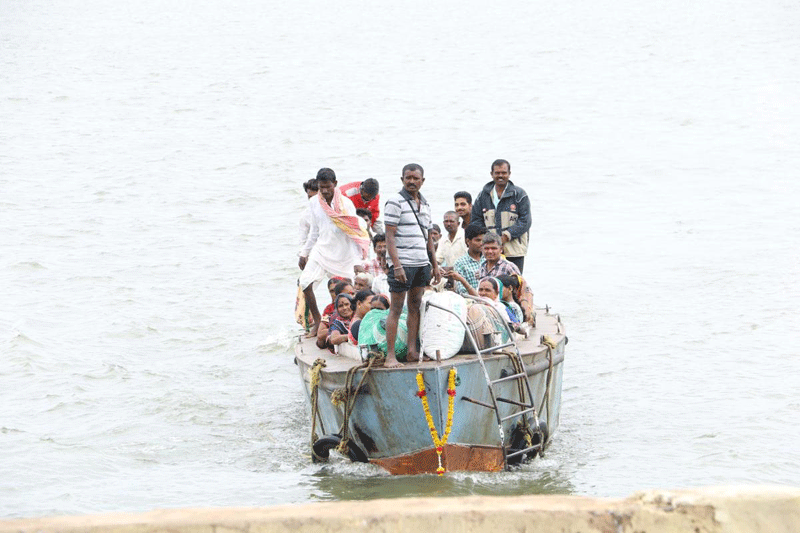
313,331
412,357
392,362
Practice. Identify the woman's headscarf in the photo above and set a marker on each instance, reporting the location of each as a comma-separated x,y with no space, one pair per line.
498,303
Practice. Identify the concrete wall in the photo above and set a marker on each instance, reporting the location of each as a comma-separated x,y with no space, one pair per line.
724,509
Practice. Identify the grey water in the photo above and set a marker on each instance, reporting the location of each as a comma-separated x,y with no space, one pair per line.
151,157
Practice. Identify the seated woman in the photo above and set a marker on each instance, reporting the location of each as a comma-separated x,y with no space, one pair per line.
329,314
340,325
363,302
490,289
379,301
510,295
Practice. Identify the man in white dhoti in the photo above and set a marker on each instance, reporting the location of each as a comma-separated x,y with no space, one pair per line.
337,240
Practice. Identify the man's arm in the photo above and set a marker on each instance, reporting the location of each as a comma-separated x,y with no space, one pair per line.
374,207
311,239
391,251
437,276
440,252
523,223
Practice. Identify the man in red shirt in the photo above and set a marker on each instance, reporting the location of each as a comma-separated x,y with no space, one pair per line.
364,194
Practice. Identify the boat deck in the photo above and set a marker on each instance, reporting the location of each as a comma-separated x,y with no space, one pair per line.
546,324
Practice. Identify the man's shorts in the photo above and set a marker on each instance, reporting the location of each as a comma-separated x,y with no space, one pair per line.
419,276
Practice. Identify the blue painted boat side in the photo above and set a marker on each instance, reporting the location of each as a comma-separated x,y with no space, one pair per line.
388,419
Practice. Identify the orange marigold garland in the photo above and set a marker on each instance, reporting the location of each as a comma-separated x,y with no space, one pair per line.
451,396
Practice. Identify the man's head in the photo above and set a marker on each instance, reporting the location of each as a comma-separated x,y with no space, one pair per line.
492,247
366,214
501,172
326,180
450,222
311,187
363,281
436,233
369,189
413,177
379,244
463,203
474,237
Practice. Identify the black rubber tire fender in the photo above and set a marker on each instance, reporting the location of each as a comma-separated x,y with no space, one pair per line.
323,446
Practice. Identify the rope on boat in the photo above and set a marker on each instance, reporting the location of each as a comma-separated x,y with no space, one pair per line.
519,368
347,398
551,345
316,376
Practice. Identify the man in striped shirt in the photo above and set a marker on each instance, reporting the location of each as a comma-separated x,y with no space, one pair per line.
411,254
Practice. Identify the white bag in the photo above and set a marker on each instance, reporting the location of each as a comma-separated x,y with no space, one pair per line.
439,329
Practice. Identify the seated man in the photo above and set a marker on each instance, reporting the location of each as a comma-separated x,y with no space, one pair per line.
495,266
380,284
365,194
465,269
363,281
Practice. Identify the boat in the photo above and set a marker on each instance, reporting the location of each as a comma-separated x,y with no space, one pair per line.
485,409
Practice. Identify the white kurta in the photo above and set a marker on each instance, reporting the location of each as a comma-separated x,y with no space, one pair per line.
305,227
327,245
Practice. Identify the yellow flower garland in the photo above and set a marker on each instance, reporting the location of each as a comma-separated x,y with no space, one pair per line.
451,393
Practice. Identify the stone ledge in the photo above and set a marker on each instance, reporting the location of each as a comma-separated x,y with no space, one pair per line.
706,510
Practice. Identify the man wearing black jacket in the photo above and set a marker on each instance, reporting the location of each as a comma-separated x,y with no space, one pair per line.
504,209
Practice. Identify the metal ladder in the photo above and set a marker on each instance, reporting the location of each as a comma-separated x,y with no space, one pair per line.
521,376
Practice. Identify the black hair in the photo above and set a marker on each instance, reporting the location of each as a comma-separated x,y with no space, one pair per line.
349,300
501,162
412,167
362,295
436,228
370,186
382,299
364,212
463,194
379,237
509,280
512,281
311,185
473,230
326,174
339,287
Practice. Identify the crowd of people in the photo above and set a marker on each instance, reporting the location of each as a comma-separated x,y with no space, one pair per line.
388,264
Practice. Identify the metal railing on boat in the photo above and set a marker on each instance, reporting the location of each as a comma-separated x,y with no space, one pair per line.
523,388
